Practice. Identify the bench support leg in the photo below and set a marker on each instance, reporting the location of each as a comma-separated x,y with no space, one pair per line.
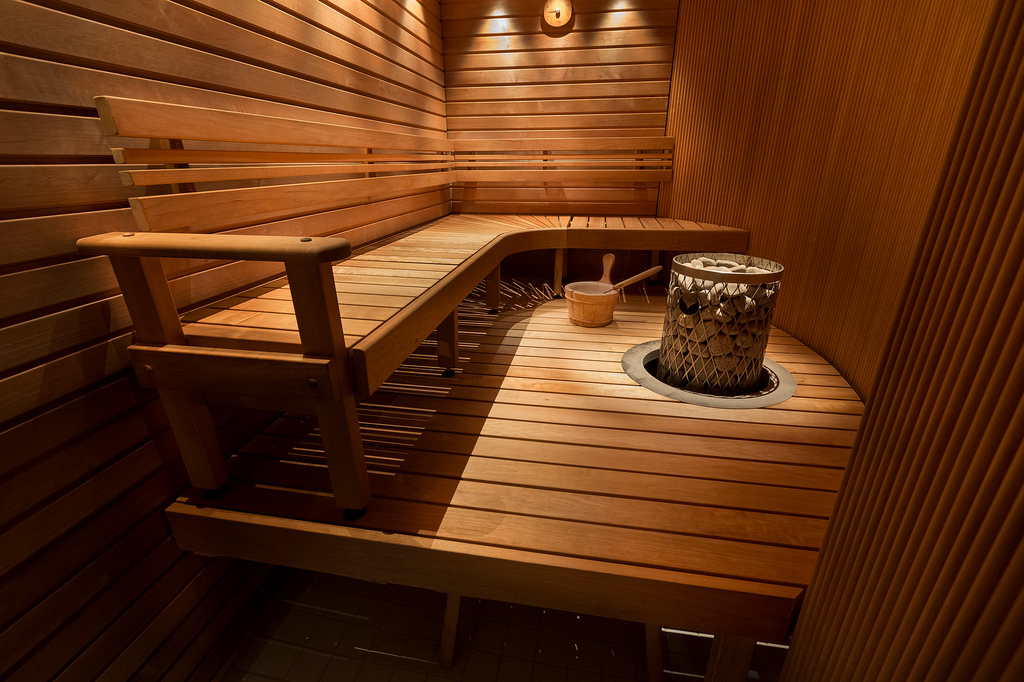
319,320
448,343
197,437
149,300
494,289
730,658
343,448
451,626
560,258
652,637
655,258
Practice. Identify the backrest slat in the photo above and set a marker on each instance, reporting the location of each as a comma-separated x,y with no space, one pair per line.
518,174
203,156
212,170
563,144
124,117
140,178
224,209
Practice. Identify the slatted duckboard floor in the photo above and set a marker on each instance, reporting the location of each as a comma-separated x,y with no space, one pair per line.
541,474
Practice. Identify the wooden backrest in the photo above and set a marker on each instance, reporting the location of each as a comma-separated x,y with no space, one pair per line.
222,170
212,170
573,175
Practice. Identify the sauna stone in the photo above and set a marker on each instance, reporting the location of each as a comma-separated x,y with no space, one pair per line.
717,322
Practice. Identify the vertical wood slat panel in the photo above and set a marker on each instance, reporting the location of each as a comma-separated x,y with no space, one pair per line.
82,508
923,567
820,128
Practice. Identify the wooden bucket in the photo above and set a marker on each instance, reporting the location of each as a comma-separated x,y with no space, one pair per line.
589,309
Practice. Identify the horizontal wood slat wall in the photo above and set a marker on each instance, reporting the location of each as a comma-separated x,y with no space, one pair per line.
510,77
820,127
922,571
91,582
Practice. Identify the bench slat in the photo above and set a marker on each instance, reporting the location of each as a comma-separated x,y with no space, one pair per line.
169,176
588,176
123,117
526,489
223,209
461,146
505,470
230,156
711,603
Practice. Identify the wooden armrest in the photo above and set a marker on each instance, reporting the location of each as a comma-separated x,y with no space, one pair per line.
217,246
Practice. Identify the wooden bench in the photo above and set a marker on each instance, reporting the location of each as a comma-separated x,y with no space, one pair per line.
304,195
543,475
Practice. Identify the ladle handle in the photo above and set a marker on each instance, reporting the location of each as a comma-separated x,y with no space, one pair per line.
608,261
637,278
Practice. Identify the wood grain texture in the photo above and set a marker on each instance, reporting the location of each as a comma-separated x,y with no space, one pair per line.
508,79
818,127
821,128
921,568
91,582
546,495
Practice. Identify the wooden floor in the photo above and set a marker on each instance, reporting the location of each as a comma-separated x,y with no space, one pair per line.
542,474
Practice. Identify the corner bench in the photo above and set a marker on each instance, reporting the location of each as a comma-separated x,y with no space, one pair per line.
359,223
542,475
276,186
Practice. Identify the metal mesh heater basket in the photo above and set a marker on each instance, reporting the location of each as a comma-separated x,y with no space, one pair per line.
717,321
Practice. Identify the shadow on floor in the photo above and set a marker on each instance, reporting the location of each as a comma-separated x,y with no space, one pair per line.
325,628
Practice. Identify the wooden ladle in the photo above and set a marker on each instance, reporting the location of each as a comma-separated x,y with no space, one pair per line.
605,287
608,260
637,278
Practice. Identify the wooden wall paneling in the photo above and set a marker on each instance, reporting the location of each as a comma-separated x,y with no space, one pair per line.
106,626
294,26
89,622
94,43
920,575
820,128
55,138
48,337
51,429
35,626
64,85
96,432
583,36
42,384
592,56
40,288
86,462
333,17
34,189
184,24
46,525
88,454
506,78
43,573
134,636
23,248
182,651
418,19
396,23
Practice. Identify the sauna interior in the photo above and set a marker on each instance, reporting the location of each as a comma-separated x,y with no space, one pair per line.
872,147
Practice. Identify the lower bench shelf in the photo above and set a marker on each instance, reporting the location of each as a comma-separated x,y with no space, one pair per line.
543,475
